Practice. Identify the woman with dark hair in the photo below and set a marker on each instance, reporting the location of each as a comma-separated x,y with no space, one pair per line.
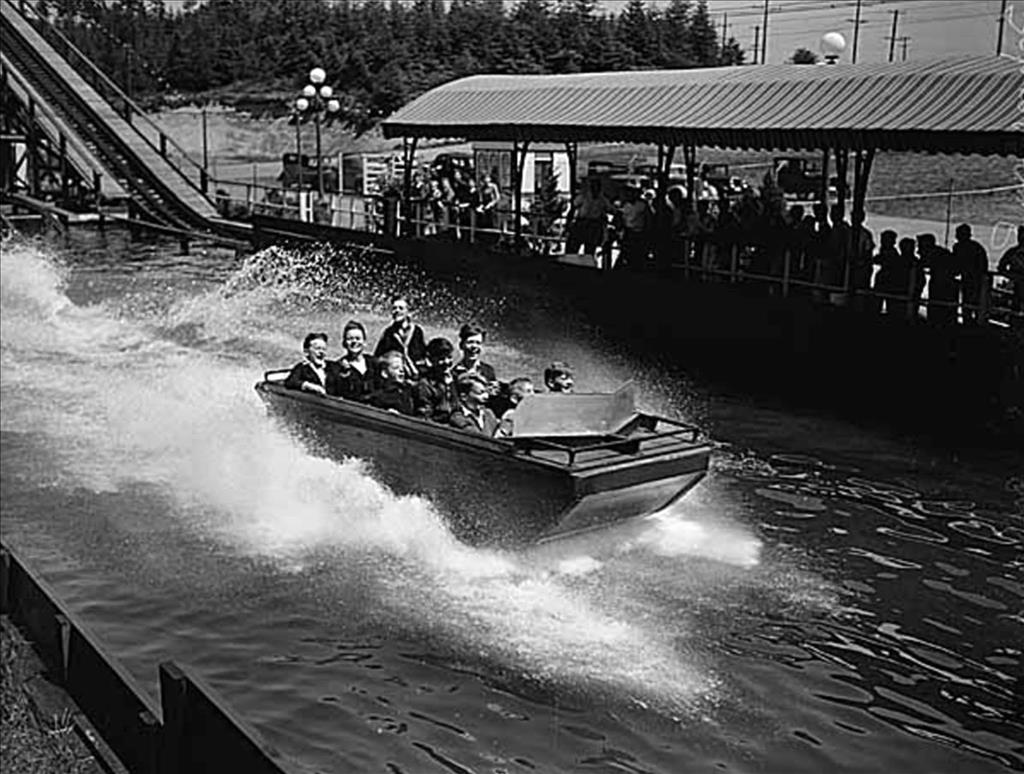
357,371
316,373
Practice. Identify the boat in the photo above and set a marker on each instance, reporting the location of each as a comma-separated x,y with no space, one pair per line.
574,462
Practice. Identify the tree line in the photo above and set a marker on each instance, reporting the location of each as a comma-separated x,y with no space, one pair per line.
378,54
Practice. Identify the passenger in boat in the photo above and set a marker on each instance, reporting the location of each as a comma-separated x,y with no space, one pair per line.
471,342
471,413
558,377
316,373
518,389
393,392
405,337
357,371
434,395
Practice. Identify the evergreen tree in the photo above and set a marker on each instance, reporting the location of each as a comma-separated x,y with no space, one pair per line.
703,36
636,31
804,56
677,40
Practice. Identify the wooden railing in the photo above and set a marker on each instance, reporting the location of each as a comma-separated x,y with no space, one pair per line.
191,731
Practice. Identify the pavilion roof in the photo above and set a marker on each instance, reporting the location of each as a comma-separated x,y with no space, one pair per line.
962,104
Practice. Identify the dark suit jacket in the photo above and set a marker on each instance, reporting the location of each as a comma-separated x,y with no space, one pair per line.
393,395
303,372
354,385
463,420
415,350
434,400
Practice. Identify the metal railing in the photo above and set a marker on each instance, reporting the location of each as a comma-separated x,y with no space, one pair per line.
779,269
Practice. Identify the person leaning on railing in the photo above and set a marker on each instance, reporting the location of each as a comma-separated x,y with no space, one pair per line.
1011,266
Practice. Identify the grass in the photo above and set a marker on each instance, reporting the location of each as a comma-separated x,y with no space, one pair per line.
29,744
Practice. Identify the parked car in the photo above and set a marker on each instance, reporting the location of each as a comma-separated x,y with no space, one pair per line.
800,177
445,164
291,164
728,186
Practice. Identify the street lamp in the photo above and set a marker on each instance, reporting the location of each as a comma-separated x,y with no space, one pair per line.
317,99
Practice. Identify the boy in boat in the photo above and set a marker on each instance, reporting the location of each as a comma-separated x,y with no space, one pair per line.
471,413
558,377
518,389
471,342
405,337
392,393
357,371
316,373
434,396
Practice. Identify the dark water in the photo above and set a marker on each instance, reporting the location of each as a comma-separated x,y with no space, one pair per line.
831,599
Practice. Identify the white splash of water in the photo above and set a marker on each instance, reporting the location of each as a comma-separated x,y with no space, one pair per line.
142,408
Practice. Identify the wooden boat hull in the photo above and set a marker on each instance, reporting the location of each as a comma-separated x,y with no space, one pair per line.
491,490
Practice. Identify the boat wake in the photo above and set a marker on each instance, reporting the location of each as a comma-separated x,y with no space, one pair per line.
165,402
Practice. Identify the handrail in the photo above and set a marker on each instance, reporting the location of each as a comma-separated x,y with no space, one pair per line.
49,31
73,140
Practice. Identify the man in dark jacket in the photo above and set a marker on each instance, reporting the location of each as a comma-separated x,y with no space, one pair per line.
434,395
393,393
471,413
405,337
971,261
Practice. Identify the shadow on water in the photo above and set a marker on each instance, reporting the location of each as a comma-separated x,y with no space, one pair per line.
814,605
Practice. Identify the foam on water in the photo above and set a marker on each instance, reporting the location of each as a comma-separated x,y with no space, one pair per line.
145,404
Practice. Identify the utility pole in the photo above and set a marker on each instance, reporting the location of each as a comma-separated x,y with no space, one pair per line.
856,31
725,27
1002,24
757,42
892,35
764,35
903,43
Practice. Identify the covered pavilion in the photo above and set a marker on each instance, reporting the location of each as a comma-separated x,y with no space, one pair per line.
953,105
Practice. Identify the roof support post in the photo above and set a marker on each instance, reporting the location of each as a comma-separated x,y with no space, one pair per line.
861,172
518,162
842,165
824,177
662,223
690,157
408,159
572,152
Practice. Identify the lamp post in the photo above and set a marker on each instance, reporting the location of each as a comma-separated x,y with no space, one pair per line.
317,99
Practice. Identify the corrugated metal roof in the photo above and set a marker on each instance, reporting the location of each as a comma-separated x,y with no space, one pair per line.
965,104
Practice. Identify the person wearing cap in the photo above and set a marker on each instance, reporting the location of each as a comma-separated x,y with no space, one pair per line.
971,262
636,222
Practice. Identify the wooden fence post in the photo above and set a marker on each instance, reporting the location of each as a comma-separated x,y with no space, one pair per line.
173,699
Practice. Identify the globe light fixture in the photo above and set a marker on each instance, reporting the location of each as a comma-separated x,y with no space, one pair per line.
315,101
832,45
